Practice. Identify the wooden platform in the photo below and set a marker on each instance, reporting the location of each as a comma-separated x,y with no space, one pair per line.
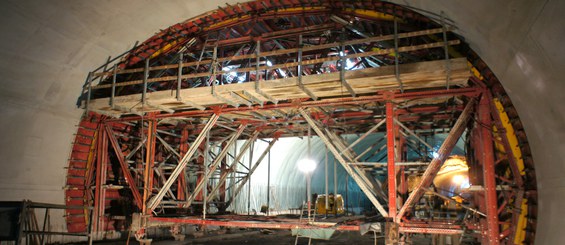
419,75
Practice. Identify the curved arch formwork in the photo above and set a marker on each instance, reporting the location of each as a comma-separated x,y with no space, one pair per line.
162,117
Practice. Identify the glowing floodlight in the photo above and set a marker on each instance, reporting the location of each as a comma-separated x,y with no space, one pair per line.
458,179
306,165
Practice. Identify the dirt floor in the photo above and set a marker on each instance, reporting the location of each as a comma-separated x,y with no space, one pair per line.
274,237
281,237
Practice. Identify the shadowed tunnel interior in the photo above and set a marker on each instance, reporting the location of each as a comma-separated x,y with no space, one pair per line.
48,48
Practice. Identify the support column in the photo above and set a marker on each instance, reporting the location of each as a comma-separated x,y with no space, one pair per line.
149,162
487,157
400,157
100,191
181,183
391,169
391,228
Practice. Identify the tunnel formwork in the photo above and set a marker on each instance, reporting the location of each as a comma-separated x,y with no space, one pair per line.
161,119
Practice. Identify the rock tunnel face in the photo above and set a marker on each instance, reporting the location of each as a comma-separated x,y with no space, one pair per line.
515,44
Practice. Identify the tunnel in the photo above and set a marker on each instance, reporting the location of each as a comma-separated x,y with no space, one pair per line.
147,114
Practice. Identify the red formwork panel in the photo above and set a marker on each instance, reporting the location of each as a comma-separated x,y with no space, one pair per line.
76,219
74,193
86,132
75,155
80,172
74,201
77,164
88,125
72,180
75,211
77,227
83,140
81,148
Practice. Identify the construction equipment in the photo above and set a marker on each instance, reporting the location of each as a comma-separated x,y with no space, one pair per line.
335,204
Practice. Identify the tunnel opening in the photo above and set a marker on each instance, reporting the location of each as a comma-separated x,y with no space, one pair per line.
389,92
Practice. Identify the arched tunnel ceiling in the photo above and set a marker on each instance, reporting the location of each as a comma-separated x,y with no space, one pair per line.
47,48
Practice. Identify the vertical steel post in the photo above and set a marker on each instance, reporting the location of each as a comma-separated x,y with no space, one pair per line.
488,169
114,77
446,52
343,64
326,180
269,182
309,174
205,180
346,194
335,178
400,157
179,77
226,172
149,162
181,183
390,160
100,191
89,91
249,178
299,58
257,60
145,77
396,54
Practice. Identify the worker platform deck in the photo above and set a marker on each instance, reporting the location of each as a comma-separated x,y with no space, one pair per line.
413,76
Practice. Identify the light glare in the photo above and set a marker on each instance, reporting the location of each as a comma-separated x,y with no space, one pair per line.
306,165
458,179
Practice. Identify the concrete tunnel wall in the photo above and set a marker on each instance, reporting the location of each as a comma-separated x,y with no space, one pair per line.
47,48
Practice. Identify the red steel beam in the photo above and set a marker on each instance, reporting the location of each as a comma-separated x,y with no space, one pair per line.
390,160
505,142
429,230
182,191
149,162
487,158
100,191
